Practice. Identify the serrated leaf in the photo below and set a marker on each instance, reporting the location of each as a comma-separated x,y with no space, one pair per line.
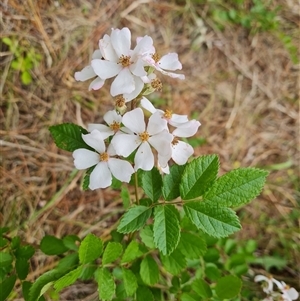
191,245
198,176
189,297
130,282
90,248
174,263
228,287
6,286
86,178
134,219
67,136
166,228
25,252
67,279
22,267
112,252
68,262
125,196
144,293
51,245
132,252
70,242
88,272
202,288
5,259
151,182
149,270
215,221
146,235
171,182
26,285
106,284
237,187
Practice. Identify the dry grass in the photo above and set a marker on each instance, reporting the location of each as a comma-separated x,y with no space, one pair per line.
243,88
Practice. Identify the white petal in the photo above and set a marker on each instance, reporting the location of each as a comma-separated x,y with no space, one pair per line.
157,123
187,129
181,152
163,161
139,85
85,74
112,116
97,54
100,176
123,83
147,104
121,169
292,293
259,278
177,120
105,69
84,158
134,120
121,41
162,143
95,140
107,50
138,68
170,62
144,158
144,46
105,130
96,84
171,74
125,144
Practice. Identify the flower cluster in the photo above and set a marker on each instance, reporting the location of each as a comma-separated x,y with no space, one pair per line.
126,143
284,293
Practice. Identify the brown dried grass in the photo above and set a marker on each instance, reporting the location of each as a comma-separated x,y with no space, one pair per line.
244,89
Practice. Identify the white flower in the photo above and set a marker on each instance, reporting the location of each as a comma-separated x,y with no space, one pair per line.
120,61
113,119
288,293
106,166
268,286
136,136
88,73
168,62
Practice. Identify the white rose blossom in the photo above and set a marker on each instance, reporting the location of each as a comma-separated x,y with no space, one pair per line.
88,73
120,61
106,165
288,293
137,136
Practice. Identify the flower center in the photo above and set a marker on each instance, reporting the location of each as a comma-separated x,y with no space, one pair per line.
175,141
124,60
156,57
168,114
104,157
115,126
156,84
144,136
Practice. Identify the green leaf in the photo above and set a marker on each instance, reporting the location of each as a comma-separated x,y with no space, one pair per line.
237,187
171,182
112,252
86,178
228,287
51,245
88,272
202,288
174,263
130,282
5,259
212,272
70,261
125,195
26,285
166,228
189,297
22,268
192,246
26,78
144,293
67,279
90,248
132,252
25,252
215,221
152,183
70,242
106,284
67,136
6,286
146,235
134,219
149,270
198,176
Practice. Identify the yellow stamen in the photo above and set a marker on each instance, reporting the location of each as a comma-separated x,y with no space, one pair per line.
115,126
144,136
124,60
104,157
175,141
168,114
156,57
156,84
